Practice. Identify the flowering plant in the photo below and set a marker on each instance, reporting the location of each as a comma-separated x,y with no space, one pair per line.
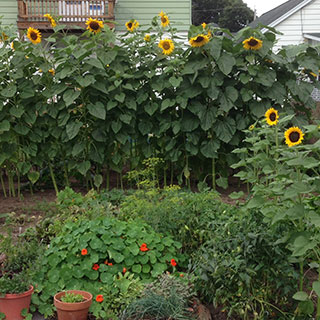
282,167
113,252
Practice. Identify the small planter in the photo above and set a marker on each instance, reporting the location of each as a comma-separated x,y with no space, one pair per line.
73,311
12,304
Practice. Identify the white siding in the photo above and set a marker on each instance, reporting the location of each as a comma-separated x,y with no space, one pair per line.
306,20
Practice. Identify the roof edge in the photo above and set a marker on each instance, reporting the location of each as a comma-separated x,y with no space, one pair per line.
289,13
311,37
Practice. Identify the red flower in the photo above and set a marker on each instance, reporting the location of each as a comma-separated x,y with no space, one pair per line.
173,262
143,247
124,270
95,267
181,275
99,298
84,252
110,264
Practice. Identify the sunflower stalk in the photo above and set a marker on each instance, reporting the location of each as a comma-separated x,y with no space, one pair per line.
53,179
3,185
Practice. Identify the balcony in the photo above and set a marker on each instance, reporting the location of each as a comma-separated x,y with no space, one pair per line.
71,13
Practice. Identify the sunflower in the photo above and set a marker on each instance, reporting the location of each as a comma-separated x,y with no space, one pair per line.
132,25
272,116
251,127
51,20
94,25
3,37
204,25
147,38
293,136
164,19
34,35
167,46
199,41
52,71
252,44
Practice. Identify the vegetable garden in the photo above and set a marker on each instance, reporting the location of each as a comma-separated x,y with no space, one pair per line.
166,115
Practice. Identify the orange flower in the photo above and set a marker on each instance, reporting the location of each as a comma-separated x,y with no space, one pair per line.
110,264
99,298
173,262
106,262
124,270
143,247
96,267
84,252
181,275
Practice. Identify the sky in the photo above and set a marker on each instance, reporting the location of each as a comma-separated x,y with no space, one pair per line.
263,6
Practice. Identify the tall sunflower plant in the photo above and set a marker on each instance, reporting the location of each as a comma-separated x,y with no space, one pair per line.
281,164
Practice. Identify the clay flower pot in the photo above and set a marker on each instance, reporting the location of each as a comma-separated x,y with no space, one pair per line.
12,304
73,311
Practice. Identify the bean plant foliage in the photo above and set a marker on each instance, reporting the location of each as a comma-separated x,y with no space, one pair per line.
97,101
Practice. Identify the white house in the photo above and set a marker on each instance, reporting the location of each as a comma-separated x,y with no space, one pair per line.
297,20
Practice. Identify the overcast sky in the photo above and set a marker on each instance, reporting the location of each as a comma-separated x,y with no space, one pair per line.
263,6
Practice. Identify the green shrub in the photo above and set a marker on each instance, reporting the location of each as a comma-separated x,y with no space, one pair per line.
185,215
241,267
89,254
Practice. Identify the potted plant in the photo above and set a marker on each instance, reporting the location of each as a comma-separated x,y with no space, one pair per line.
15,283
73,304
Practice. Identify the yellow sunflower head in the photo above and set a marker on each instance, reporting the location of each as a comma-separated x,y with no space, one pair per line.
293,136
164,21
132,25
272,116
3,37
34,35
199,41
167,46
252,43
147,38
51,20
12,45
251,127
94,25
52,71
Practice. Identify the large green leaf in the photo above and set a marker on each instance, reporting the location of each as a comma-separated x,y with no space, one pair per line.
70,96
4,125
225,129
9,91
83,167
73,129
226,62
97,110
210,149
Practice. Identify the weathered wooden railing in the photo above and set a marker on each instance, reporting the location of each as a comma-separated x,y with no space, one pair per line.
69,12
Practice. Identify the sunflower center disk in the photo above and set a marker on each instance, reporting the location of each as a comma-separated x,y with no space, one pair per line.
273,117
199,39
253,42
163,19
166,45
130,25
94,25
294,136
33,36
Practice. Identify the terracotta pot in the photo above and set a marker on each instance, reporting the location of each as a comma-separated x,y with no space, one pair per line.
73,311
12,304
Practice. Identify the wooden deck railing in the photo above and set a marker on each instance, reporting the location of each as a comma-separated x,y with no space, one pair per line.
69,12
